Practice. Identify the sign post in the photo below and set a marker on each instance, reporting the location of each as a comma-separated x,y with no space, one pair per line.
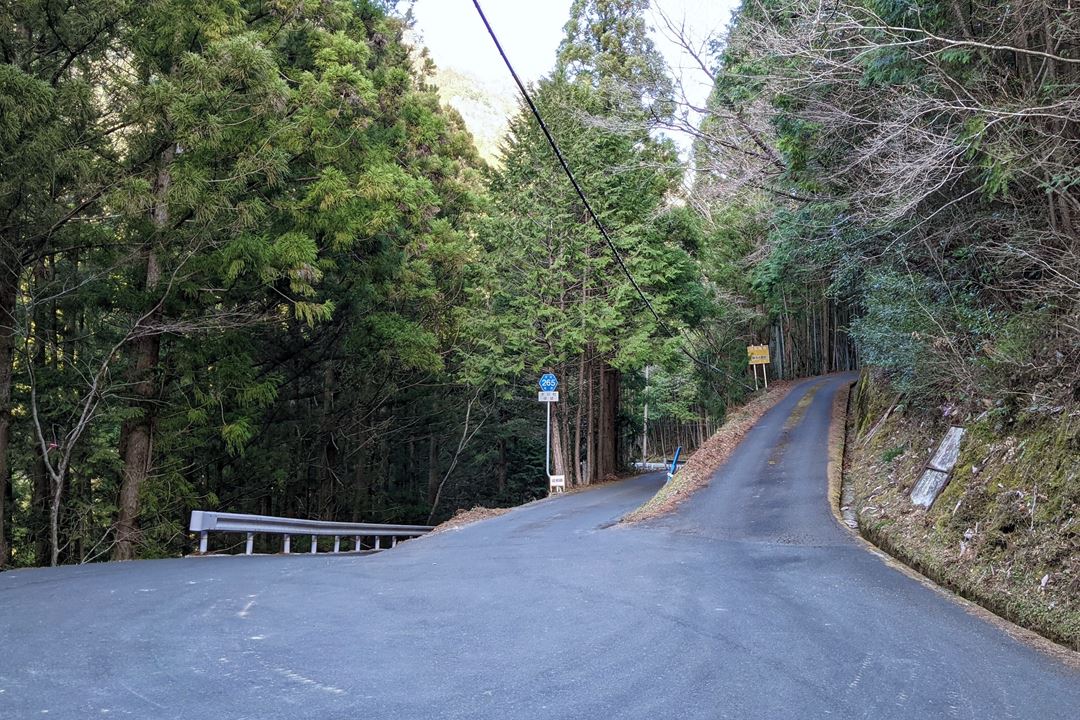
548,394
645,424
759,355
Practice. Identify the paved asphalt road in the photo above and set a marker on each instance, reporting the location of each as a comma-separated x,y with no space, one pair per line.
750,602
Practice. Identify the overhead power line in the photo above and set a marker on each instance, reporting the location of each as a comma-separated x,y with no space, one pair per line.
585,201
566,168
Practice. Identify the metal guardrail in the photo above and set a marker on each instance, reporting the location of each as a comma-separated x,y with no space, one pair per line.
205,523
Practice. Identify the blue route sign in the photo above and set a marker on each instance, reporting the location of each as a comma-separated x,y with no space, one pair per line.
548,382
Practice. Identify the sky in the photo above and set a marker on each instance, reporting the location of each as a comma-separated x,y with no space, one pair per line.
530,32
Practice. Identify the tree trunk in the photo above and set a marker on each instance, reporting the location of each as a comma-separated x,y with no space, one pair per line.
564,433
9,505
609,408
39,508
602,426
590,429
558,459
578,479
137,448
137,441
79,488
324,471
410,467
8,289
40,501
616,436
581,473
433,469
57,487
382,479
500,469
362,487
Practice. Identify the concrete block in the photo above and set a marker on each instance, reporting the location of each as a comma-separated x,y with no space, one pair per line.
936,476
929,487
948,451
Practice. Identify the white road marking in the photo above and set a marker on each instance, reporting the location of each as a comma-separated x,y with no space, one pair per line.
297,677
141,697
244,613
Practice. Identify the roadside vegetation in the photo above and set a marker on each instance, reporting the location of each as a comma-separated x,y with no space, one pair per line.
1004,532
917,162
250,261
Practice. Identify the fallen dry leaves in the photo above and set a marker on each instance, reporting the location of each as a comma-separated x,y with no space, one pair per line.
465,517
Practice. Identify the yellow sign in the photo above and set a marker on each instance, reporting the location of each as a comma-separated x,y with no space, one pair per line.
759,354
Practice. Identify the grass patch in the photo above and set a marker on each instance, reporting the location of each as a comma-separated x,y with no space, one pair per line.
891,454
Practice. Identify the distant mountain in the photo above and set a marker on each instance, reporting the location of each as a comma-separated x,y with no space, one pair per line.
485,106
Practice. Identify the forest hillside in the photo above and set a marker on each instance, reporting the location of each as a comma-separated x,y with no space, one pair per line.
254,259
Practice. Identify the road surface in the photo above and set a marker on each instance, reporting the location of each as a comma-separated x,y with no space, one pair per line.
750,602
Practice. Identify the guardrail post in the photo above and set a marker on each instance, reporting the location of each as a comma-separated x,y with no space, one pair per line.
393,541
202,541
288,544
378,542
337,543
314,544
250,543
356,544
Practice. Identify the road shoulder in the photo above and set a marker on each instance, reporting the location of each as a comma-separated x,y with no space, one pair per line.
707,459
840,431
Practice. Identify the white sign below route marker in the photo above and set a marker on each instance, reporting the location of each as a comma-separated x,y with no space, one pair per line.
556,483
549,397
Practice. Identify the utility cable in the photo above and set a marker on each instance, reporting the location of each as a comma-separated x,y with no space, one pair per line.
566,167
584,200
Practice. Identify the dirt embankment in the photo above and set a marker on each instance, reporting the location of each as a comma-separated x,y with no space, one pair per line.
1004,532
706,459
466,517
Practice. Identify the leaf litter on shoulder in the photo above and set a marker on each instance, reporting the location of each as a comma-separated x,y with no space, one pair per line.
695,474
467,517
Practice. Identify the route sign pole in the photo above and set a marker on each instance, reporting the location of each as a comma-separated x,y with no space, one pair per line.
548,394
547,443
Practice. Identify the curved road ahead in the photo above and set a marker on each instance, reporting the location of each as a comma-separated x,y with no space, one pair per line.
749,602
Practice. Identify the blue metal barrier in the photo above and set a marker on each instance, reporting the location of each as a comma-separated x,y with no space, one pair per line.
674,462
